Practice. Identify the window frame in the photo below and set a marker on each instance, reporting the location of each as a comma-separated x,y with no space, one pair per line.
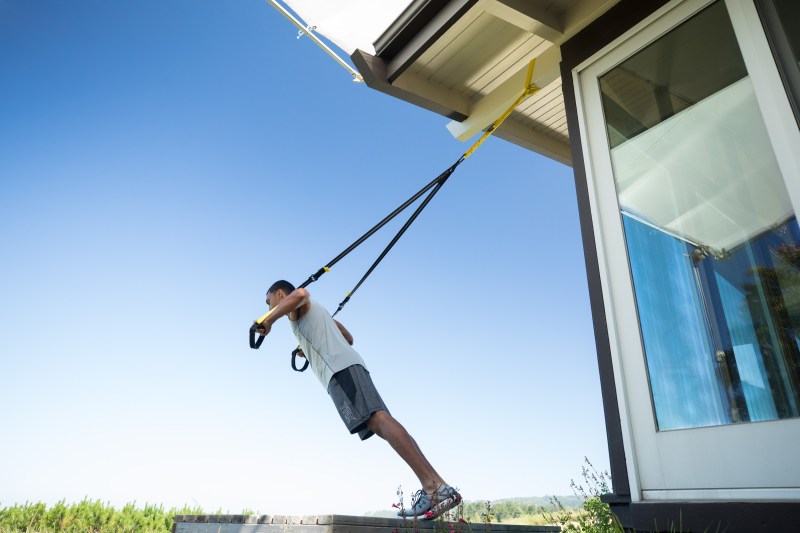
646,450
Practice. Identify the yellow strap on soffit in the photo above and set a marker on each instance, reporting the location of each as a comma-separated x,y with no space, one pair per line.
529,90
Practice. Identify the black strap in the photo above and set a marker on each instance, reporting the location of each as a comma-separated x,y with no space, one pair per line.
439,182
436,181
255,344
295,353
435,184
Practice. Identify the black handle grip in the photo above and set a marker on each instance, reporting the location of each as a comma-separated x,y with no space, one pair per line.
255,344
295,352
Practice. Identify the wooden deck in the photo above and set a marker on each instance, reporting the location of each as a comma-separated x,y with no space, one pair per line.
334,524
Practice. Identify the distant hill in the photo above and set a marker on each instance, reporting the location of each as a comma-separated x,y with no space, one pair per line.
570,502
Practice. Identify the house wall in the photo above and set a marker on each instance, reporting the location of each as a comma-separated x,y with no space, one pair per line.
573,52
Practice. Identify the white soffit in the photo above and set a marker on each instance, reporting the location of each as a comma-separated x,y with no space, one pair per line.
484,56
350,24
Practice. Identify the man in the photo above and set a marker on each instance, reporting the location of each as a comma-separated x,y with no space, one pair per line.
328,347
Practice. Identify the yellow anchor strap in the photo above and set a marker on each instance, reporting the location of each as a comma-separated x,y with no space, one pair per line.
529,89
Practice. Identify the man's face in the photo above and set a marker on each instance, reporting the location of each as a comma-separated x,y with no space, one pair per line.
274,298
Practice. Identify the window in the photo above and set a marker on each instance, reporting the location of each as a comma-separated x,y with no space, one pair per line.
713,243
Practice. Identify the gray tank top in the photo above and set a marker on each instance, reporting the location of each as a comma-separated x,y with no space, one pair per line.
324,345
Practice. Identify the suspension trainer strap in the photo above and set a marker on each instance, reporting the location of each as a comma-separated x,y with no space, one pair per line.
440,181
295,353
256,343
529,89
379,225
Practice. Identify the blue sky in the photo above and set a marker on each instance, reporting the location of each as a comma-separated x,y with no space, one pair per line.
161,163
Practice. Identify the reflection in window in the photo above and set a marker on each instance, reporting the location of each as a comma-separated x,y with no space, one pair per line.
781,20
789,13
713,243
679,70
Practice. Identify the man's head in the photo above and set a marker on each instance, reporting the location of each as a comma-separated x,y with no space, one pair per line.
278,291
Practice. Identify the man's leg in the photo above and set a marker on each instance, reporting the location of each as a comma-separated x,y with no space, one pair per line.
385,426
438,497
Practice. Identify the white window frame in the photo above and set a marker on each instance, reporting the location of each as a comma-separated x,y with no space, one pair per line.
639,430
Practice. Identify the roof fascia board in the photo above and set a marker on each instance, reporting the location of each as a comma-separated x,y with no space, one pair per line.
493,105
403,29
413,89
417,42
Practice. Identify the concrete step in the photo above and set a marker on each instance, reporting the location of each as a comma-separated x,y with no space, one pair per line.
335,524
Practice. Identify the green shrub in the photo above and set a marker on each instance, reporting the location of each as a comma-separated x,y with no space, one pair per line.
88,516
594,516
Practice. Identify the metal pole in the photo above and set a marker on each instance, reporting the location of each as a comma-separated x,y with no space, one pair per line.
307,30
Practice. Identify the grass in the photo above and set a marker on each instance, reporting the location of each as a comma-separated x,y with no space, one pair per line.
90,516
538,519
94,516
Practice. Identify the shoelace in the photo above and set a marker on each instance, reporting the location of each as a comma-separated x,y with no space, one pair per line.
416,497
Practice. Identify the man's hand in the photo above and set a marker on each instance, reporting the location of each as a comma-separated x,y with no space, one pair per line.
263,328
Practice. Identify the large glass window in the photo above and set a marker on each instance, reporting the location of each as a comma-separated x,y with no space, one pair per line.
713,242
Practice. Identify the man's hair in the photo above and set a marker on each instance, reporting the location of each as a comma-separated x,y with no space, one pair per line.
283,285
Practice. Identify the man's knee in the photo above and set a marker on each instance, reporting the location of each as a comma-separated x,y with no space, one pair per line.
377,422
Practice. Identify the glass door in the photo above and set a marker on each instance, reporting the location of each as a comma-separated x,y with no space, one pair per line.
688,136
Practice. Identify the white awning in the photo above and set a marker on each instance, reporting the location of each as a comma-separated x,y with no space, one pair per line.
349,24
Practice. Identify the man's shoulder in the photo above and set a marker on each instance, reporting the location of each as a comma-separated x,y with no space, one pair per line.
311,307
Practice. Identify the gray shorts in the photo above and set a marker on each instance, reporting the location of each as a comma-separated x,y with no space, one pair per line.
356,398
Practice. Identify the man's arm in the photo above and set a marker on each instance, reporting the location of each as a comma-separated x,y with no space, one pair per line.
345,333
298,300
